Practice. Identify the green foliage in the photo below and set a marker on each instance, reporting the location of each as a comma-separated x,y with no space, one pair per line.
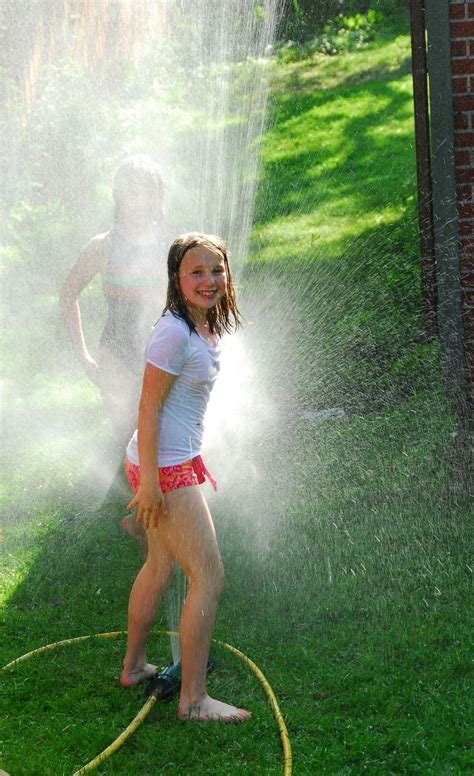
305,19
343,33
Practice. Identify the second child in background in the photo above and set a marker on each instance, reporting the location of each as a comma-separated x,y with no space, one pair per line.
131,260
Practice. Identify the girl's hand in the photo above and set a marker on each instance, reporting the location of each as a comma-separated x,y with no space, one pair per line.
149,503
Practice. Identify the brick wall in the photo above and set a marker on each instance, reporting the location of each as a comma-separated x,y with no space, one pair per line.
462,57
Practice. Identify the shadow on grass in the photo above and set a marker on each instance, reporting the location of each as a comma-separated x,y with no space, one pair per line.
380,73
79,579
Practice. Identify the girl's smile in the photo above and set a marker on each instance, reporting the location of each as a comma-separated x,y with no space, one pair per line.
202,278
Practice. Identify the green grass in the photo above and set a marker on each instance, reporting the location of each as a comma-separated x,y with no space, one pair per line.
356,613
347,554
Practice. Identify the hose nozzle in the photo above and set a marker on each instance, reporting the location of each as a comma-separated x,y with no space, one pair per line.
167,682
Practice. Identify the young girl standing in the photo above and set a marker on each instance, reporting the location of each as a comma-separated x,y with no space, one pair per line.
164,467
130,259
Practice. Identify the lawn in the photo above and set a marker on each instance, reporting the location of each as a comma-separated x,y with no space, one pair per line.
345,542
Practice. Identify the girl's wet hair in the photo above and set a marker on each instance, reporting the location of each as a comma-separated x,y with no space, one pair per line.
141,169
224,316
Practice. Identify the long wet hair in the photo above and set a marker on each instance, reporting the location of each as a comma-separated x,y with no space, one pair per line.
224,316
144,169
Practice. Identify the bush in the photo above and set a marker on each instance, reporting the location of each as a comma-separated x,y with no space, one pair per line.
303,19
343,33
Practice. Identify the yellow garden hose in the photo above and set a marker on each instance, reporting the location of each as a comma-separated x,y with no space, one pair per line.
145,710
96,761
285,739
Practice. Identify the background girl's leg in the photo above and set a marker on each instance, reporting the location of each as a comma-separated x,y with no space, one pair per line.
189,533
120,390
144,600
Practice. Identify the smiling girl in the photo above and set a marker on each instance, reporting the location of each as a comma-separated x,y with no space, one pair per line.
164,468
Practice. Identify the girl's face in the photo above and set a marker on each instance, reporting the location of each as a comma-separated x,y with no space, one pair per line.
202,277
137,201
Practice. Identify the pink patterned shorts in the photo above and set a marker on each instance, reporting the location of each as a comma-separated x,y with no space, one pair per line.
181,475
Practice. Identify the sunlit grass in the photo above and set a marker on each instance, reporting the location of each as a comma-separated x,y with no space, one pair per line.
318,236
383,58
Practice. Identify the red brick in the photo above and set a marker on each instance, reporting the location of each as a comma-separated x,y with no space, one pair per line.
462,29
471,48
469,359
467,282
465,210
461,121
465,192
465,140
467,246
462,158
459,48
460,86
457,11
465,176
468,298
470,10
467,278
462,66
466,227
464,103
469,342
468,315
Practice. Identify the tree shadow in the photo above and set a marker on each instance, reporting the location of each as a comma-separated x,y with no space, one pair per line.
363,168
73,584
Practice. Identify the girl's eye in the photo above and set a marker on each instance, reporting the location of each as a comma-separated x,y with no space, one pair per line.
218,270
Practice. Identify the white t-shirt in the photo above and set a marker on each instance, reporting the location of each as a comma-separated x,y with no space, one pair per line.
173,348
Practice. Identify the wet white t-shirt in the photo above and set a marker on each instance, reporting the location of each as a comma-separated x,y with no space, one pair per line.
173,348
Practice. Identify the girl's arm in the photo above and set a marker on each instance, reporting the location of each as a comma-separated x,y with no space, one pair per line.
149,499
90,263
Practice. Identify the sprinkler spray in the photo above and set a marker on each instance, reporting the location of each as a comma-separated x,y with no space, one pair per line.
167,682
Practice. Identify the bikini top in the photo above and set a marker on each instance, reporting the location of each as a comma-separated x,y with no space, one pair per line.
134,270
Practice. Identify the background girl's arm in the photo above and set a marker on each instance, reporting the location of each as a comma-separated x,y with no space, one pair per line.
149,498
92,261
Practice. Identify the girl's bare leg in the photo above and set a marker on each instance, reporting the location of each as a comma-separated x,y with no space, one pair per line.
189,534
143,604
120,392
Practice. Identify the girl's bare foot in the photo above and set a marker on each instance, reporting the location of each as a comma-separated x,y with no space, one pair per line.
209,709
137,532
137,676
